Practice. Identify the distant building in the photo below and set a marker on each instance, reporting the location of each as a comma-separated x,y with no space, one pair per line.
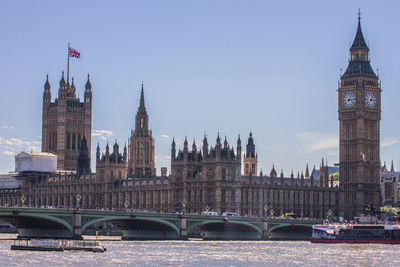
390,186
250,158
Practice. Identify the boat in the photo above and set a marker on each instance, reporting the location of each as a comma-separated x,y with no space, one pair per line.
57,245
37,245
356,233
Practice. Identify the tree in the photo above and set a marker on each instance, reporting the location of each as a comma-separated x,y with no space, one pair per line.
334,176
389,210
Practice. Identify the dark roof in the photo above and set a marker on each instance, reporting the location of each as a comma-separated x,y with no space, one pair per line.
359,41
359,68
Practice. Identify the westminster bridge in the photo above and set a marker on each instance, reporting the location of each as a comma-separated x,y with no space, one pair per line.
70,224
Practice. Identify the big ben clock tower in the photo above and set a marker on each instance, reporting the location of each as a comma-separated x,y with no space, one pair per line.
359,112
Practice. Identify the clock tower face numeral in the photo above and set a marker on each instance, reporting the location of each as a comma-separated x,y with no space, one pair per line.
370,100
349,99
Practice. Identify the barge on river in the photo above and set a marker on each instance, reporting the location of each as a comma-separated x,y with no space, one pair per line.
57,245
356,233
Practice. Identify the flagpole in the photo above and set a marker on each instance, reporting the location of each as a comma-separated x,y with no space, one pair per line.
68,65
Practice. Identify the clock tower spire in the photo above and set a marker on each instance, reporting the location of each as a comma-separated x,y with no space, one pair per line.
359,112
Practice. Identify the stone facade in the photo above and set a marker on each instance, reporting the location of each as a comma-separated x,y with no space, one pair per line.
359,110
111,165
65,122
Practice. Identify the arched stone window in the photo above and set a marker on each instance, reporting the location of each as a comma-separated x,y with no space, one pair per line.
73,141
68,140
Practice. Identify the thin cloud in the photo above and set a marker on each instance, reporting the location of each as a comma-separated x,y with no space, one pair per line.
389,142
7,153
314,141
7,127
165,136
103,134
12,146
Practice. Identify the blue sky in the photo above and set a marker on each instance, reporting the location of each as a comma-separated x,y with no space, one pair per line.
270,67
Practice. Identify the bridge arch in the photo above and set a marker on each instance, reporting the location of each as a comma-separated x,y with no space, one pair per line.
17,220
275,227
137,218
222,221
290,231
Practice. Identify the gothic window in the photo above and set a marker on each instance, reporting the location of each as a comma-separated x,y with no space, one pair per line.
68,141
223,195
79,141
195,196
166,197
210,173
55,140
233,198
158,197
223,174
233,174
151,198
73,140
144,198
141,122
209,195
137,152
201,195
50,142
190,195
147,152
141,152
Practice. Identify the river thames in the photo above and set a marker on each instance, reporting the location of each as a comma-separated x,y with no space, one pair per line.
208,253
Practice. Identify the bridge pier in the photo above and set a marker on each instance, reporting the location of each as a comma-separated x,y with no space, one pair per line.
265,232
77,225
183,228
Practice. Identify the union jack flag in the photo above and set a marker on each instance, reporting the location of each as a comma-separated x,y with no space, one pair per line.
74,53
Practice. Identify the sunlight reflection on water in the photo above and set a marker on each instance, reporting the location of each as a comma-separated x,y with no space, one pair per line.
209,253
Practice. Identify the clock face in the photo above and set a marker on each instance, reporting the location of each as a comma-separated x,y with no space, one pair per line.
370,100
349,99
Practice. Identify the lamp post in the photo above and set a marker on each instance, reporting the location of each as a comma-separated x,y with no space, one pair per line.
183,207
126,204
265,210
206,208
272,212
329,214
78,200
23,200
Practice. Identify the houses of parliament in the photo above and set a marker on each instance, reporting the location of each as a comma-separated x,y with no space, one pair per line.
208,175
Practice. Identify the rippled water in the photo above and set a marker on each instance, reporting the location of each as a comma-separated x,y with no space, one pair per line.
209,253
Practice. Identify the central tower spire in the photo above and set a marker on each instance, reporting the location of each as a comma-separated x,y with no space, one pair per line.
142,99
141,147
